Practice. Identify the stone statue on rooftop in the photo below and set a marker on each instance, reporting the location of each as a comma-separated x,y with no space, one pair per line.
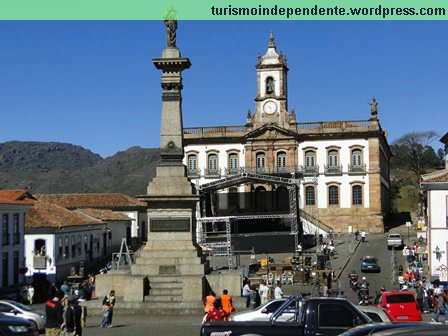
373,107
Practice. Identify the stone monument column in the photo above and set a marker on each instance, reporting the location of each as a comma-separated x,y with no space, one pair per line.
171,254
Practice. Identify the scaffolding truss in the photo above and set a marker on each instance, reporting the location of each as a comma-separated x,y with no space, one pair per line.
211,234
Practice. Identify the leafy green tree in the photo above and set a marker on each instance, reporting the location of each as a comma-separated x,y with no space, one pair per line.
412,149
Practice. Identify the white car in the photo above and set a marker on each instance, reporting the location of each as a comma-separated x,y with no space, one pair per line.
264,312
13,308
376,314
394,240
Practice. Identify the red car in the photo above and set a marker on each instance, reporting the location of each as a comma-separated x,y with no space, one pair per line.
400,306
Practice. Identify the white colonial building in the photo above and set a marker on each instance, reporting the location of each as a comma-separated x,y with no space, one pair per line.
332,174
435,188
13,204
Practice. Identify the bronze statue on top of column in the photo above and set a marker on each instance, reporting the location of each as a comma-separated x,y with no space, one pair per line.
171,27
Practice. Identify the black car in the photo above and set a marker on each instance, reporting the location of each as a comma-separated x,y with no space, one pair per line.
374,328
370,264
12,325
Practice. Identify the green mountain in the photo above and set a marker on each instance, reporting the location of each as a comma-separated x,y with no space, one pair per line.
52,167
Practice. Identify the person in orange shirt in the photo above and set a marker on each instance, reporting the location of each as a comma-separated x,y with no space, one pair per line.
226,301
209,301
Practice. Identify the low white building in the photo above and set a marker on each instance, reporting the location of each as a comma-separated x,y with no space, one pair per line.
118,203
435,188
59,241
13,204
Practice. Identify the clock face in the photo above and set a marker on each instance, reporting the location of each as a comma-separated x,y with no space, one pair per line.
270,107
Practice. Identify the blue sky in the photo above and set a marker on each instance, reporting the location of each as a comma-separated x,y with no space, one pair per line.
92,83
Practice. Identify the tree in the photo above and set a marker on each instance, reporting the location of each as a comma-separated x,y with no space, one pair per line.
411,148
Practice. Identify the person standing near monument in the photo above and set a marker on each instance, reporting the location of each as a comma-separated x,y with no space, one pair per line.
72,316
54,312
108,309
278,293
263,291
30,294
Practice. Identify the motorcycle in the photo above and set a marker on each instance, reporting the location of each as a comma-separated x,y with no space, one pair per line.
354,281
364,297
365,300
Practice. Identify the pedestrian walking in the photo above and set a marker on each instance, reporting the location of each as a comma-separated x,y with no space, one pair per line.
441,309
30,294
73,314
363,236
357,235
420,292
54,313
108,309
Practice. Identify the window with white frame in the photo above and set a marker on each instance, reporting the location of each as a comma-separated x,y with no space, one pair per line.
281,161
233,163
192,162
333,158
261,161
356,157
212,164
310,159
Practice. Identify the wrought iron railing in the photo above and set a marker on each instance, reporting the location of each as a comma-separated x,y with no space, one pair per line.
357,169
333,170
193,172
212,172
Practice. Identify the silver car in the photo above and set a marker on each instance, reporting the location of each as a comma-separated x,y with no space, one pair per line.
264,312
13,308
376,314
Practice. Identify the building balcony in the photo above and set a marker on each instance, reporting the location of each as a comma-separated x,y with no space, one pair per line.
333,170
309,170
212,173
232,171
40,262
193,173
357,169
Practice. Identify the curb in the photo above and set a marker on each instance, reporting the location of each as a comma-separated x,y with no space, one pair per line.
346,263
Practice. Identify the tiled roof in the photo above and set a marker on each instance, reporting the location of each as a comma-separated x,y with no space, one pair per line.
20,197
437,177
73,201
48,215
105,214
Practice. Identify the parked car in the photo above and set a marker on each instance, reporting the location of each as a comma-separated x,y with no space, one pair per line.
379,328
13,325
370,264
265,311
421,329
400,306
394,240
376,314
13,308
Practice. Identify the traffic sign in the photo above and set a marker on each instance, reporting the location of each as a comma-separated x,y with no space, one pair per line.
408,224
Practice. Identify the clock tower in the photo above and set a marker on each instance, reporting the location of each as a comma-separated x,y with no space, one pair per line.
271,102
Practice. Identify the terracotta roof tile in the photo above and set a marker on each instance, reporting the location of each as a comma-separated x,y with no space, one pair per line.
20,197
105,214
437,177
73,201
44,214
